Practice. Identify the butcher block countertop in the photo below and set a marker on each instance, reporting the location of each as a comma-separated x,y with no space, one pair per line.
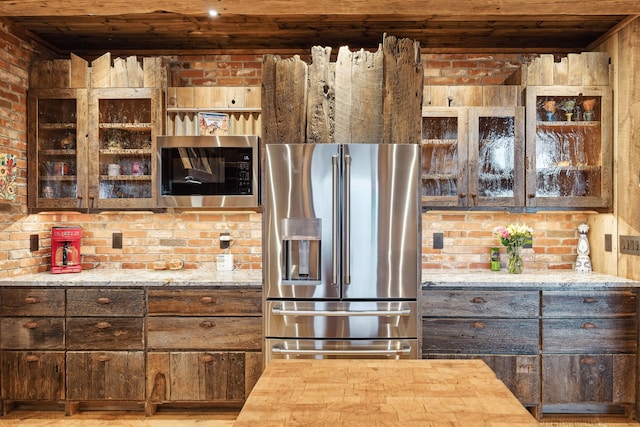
529,280
340,393
131,277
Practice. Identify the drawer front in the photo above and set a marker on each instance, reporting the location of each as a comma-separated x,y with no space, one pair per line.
441,303
105,302
31,302
588,304
216,333
108,333
205,302
24,333
473,336
596,335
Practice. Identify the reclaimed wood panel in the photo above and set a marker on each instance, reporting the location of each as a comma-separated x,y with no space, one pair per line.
589,335
322,97
29,375
105,302
42,333
219,333
32,302
588,304
442,303
109,333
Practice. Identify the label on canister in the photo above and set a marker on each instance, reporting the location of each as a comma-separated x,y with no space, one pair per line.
495,259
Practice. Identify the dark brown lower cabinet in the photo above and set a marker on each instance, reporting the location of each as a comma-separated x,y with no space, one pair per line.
33,375
105,375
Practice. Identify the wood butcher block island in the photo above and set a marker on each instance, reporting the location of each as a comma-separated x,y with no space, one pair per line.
381,393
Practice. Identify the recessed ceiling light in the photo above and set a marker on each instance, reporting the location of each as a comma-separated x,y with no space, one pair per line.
213,13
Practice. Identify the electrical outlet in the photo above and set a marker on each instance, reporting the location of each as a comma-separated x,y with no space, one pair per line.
630,245
608,243
225,240
34,243
116,240
438,240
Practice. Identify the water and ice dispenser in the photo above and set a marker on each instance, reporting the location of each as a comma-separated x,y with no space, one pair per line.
301,243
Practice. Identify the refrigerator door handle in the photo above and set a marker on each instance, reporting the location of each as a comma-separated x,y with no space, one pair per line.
335,217
403,351
402,311
347,219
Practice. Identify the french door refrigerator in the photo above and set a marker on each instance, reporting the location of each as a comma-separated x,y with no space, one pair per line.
341,250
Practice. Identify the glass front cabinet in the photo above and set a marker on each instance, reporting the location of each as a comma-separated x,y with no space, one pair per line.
569,143
57,148
93,148
122,162
470,156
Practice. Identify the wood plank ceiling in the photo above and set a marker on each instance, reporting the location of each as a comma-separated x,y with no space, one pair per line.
90,28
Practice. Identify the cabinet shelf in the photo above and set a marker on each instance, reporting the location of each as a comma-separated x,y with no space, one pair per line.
61,152
572,124
57,178
125,178
439,176
439,141
126,126
578,168
126,152
56,126
214,110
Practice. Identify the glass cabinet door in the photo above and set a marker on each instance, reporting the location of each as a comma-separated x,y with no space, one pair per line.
57,148
444,156
569,143
496,156
125,135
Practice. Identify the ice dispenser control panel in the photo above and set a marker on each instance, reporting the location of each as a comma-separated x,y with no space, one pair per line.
301,243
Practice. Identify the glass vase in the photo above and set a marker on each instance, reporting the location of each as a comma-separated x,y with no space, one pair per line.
514,263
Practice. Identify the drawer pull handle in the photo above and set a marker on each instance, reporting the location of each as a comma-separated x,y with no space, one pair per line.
206,324
588,360
32,358
31,300
478,325
103,325
207,358
31,325
208,300
589,325
479,300
589,300
103,358
104,300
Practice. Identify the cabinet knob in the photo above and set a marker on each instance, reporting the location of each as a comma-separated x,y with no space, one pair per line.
103,325
588,360
207,324
208,300
206,358
32,358
31,300
589,325
478,300
478,325
462,195
103,358
531,196
31,325
104,300
589,300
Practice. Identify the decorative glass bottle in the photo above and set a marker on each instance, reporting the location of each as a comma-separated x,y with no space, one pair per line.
583,262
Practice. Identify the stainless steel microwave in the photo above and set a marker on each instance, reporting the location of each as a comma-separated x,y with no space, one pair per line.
208,171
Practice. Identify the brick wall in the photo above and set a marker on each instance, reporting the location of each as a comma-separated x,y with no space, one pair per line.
193,237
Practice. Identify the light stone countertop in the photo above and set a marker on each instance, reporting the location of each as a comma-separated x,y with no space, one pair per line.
135,277
542,279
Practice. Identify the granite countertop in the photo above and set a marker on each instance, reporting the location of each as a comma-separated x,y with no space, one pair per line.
106,277
543,279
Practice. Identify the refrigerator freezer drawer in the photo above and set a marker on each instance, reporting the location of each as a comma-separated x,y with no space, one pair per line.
342,320
341,349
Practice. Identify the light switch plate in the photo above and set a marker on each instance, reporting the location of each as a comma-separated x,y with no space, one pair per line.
438,240
608,243
34,243
630,245
116,241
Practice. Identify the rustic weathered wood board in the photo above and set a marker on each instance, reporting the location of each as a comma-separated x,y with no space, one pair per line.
584,69
381,392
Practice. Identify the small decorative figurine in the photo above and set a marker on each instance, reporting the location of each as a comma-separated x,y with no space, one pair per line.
583,262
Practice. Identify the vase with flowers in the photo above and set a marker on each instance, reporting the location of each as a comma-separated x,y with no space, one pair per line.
514,236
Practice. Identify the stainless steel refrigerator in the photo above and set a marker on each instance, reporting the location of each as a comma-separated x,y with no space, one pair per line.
341,250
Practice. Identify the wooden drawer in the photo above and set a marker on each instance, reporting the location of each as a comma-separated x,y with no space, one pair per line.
441,303
25,333
483,335
105,302
28,375
105,375
31,302
194,333
205,302
596,335
588,304
91,333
